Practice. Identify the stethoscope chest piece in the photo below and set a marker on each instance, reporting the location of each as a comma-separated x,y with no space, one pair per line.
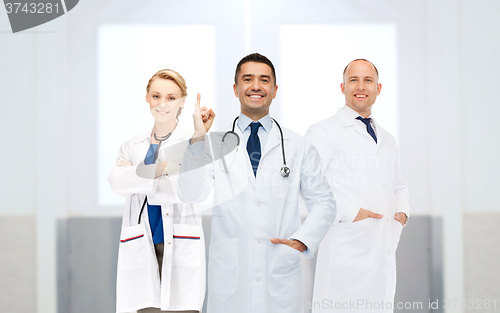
285,171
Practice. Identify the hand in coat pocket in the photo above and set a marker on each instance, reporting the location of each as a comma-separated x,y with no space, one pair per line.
297,245
364,214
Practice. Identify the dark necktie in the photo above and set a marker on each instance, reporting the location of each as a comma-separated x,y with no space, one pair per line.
369,127
253,146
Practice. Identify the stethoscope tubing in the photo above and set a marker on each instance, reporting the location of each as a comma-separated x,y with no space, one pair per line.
284,171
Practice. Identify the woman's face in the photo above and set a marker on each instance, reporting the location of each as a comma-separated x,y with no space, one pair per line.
164,98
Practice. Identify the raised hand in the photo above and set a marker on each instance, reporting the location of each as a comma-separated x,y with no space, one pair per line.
203,119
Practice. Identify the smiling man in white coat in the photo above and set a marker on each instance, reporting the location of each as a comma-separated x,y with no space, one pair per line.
257,237
356,268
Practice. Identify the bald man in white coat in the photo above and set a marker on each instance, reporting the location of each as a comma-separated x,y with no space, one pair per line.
356,269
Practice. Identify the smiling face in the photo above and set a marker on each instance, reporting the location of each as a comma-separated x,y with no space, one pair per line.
164,98
256,89
361,87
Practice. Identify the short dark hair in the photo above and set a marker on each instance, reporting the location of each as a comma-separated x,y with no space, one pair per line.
254,57
345,69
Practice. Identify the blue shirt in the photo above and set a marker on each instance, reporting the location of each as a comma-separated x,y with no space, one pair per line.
244,125
154,211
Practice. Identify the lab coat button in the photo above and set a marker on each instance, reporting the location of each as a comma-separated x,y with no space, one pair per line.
169,242
383,186
378,154
387,219
257,279
166,214
258,241
257,204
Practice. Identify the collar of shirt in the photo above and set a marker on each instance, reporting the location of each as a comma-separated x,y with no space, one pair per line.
353,114
244,126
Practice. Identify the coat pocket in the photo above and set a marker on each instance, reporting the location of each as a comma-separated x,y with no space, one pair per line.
285,188
223,267
132,248
187,245
285,275
352,244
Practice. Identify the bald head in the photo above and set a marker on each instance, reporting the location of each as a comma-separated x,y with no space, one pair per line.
360,60
361,86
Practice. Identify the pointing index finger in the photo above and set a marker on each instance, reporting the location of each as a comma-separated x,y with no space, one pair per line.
197,104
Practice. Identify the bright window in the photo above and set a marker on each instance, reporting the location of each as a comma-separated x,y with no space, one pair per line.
313,58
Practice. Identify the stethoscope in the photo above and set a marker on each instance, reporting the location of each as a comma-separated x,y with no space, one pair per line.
160,140
284,171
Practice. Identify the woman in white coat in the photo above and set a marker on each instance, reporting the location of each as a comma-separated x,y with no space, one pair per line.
161,258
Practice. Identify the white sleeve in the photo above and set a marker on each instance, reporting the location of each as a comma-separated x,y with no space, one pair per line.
124,180
401,195
319,200
196,178
346,205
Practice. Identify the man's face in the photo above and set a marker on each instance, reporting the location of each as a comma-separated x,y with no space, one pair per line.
255,88
361,87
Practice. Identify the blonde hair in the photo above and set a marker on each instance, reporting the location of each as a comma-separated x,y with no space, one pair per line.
173,76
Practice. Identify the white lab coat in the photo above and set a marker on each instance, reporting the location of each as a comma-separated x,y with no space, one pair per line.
183,270
246,272
356,261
